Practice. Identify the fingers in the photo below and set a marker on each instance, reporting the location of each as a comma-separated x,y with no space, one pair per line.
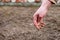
41,24
38,27
36,20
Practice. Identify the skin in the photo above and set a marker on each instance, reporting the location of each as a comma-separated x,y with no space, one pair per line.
40,13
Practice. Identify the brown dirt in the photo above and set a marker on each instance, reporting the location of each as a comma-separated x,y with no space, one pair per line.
16,24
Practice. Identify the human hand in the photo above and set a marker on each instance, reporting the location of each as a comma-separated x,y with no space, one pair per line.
38,21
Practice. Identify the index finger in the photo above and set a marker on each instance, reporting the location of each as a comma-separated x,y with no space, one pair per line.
35,21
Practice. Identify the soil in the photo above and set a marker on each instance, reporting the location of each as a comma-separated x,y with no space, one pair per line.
16,24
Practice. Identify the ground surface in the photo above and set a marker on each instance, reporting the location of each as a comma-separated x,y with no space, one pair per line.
16,24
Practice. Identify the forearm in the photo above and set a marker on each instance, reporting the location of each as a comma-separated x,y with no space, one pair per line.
40,13
46,4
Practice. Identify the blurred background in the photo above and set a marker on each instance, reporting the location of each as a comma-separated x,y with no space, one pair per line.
16,21
21,2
